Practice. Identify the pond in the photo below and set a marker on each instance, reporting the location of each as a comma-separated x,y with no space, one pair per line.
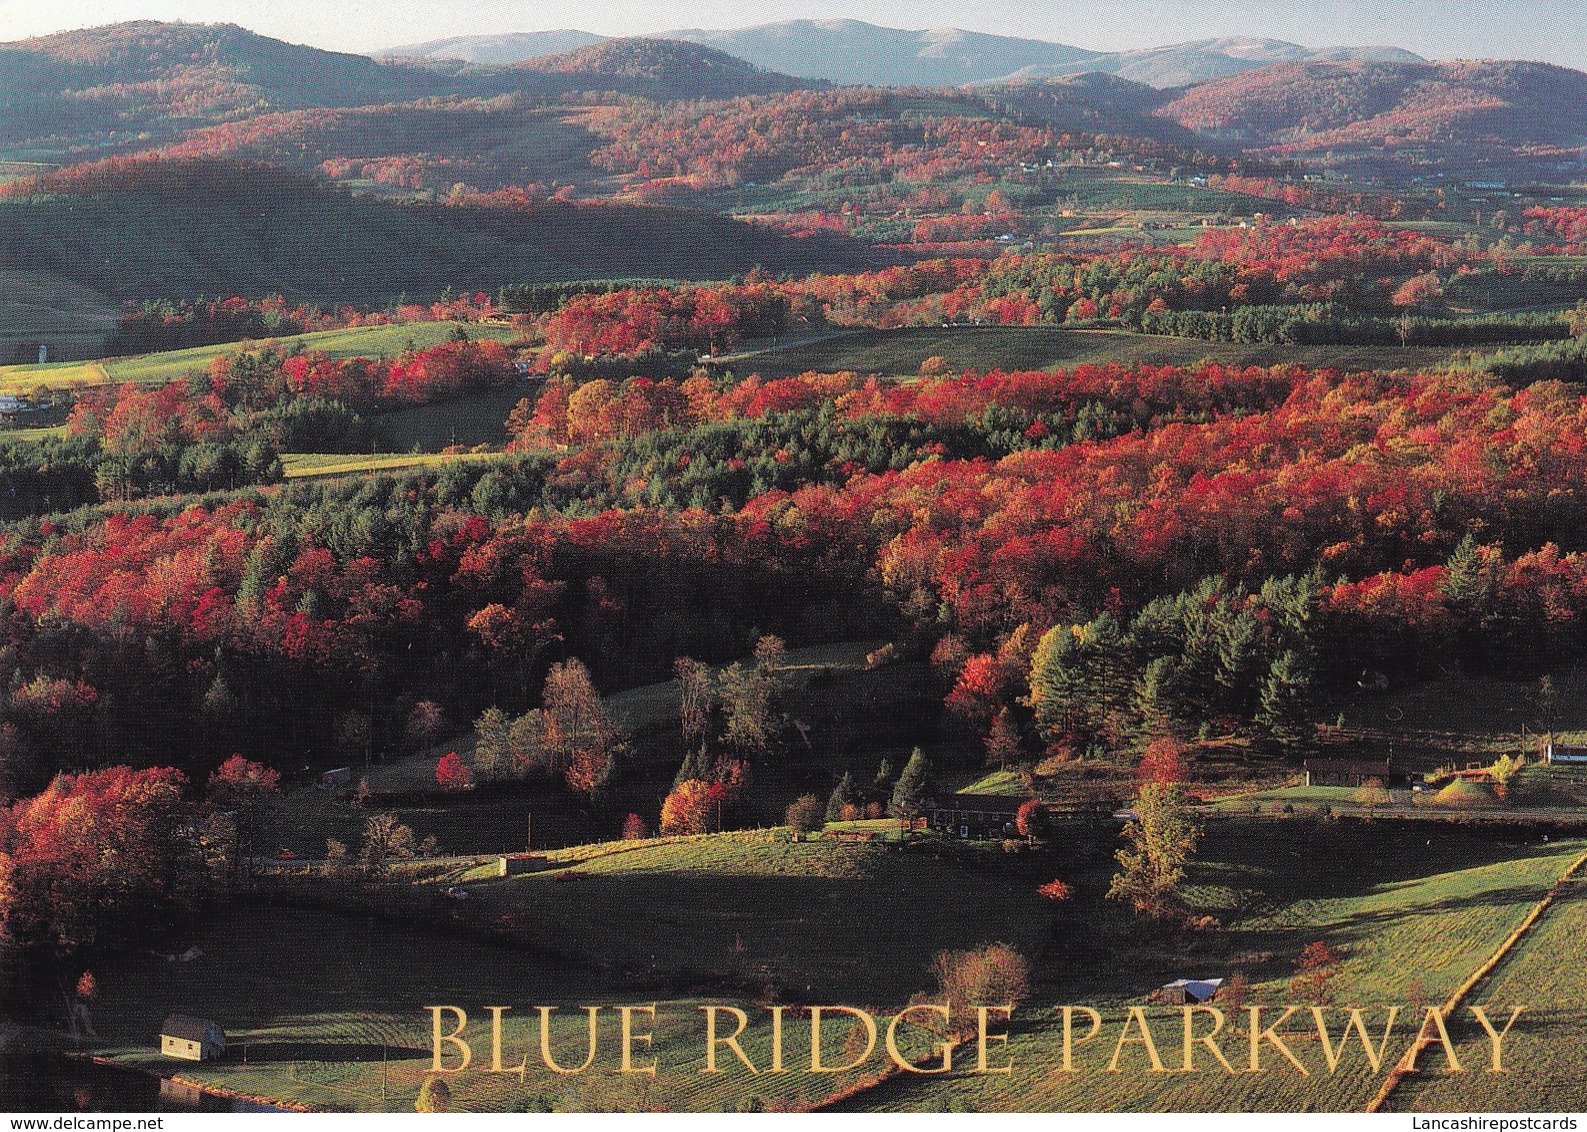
38,1082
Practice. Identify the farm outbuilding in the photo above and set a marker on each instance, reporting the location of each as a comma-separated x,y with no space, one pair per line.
517,864
1187,992
192,1039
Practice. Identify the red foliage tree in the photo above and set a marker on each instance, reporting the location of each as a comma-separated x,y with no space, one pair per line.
453,773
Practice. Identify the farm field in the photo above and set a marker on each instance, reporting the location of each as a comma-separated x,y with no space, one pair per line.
329,1011
329,1005
42,307
363,341
754,906
309,465
1411,919
1463,719
899,353
479,418
1542,1053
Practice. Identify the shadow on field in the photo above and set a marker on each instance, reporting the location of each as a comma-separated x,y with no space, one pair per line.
264,1052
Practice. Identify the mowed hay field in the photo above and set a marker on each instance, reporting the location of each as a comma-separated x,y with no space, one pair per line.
310,465
480,418
327,1005
330,1012
363,341
40,307
1543,1056
899,353
331,1006
826,921
1412,919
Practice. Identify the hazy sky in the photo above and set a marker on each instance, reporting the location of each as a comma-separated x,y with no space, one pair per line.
1553,30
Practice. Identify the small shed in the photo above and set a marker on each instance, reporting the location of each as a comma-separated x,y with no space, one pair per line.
192,1039
1186,992
337,778
517,864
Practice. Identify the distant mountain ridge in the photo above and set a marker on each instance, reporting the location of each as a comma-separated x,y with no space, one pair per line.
1360,111
124,86
653,68
852,52
496,50
1184,64
80,87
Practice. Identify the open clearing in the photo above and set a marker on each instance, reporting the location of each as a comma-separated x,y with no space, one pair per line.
1412,915
1543,1054
363,341
898,353
329,1005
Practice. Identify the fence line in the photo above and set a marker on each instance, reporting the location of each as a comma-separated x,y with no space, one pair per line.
1402,1069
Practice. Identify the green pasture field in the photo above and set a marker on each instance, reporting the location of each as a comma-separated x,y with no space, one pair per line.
899,352
330,1011
1462,720
1542,1054
480,418
330,1005
309,465
363,341
828,921
1412,915
42,307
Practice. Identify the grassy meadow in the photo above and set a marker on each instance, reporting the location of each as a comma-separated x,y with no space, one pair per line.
363,341
329,1004
898,353
1542,1054
1412,916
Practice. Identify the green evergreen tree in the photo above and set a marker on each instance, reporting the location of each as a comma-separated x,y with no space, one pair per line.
913,788
1238,659
696,764
1079,677
842,795
1154,700
1288,700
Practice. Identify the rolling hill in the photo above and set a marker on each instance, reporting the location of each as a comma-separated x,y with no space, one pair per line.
496,50
430,144
852,52
649,68
1093,103
1436,113
137,227
105,85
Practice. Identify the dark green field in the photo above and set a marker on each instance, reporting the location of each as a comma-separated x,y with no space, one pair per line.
329,1006
900,352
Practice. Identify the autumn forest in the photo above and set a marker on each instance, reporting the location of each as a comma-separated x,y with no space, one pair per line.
528,501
